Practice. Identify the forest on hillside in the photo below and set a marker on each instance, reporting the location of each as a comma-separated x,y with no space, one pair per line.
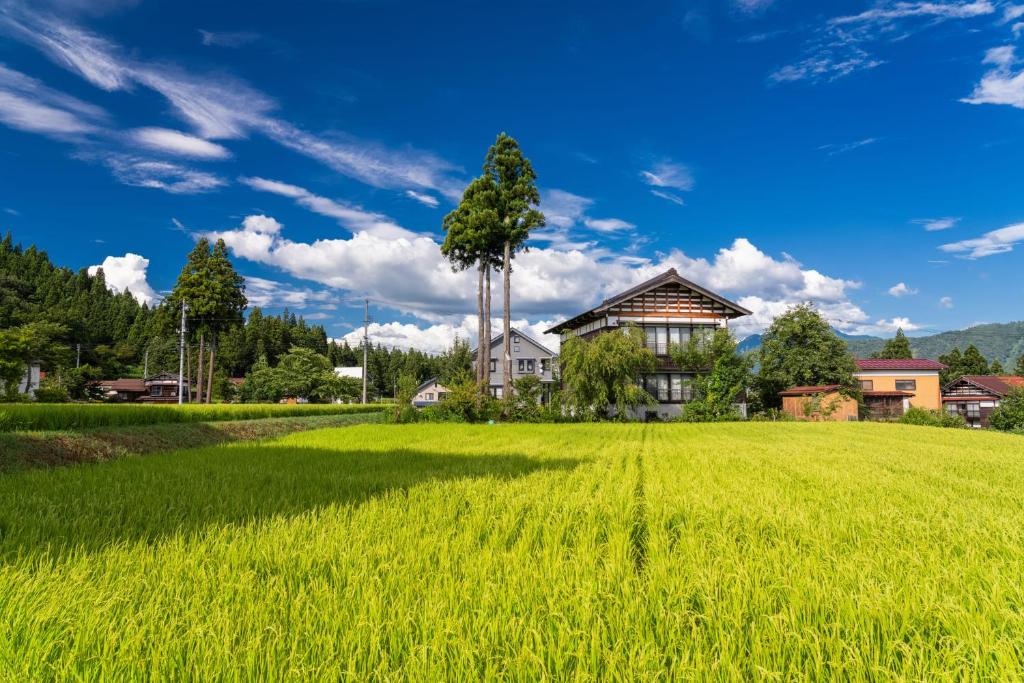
92,332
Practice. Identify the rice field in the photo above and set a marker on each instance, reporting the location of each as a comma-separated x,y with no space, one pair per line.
525,552
69,416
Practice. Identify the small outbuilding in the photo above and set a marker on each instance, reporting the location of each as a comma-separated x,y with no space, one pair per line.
429,393
822,403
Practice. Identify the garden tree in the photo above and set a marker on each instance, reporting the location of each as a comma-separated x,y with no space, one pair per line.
470,238
307,374
405,391
800,349
721,374
996,368
523,404
28,343
896,348
1009,416
516,199
1019,368
603,372
262,383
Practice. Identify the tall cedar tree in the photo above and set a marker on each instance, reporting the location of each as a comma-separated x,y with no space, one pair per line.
469,242
214,294
800,349
897,348
970,362
1019,368
516,199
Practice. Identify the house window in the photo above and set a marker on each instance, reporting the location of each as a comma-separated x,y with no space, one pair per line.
430,397
662,387
867,385
156,390
687,391
494,365
677,388
952,409
515,338
973,411
531,365
545,364
442,395
906,385
515,349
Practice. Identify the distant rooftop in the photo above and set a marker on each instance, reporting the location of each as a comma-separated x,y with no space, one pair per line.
898,364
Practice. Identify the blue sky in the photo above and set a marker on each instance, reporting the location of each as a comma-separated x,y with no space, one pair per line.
866,157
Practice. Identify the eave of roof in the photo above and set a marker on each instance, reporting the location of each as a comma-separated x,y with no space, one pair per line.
668,277
869,364
806,391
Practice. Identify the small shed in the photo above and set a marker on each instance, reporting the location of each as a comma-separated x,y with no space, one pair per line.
821,403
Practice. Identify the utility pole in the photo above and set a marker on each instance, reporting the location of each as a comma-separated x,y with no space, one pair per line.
181,357
366,342
78,355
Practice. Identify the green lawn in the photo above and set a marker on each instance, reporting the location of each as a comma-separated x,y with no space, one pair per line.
425,552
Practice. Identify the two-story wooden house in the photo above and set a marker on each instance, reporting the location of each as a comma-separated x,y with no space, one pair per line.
529,357
892,386
976,396
670,310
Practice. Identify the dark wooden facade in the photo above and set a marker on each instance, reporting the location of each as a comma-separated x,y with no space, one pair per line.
670,310
975,396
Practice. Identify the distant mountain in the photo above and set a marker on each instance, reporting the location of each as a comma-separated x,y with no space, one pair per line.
996,341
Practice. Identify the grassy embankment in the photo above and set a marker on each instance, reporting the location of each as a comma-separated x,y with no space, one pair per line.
525,552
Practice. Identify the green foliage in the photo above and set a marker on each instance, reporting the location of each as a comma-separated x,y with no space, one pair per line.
996,368
896,348
37,417
51,391
772,415
1018,369
602,373
523,404
403,410
515,193
1009,416
28,343
721,375
970,362
932,418
800,349
466,402
302,373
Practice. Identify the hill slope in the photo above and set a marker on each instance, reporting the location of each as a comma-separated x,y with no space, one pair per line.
1002,341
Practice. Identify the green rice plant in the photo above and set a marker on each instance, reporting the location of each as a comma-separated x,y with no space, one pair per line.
732,551
44,417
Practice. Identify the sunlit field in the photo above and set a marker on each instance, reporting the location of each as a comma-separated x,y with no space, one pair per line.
524,552
49,416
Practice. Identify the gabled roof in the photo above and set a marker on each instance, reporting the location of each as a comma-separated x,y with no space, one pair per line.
498,339
670,276
808,391
1000,385
164,376
122,384
426,384
898,364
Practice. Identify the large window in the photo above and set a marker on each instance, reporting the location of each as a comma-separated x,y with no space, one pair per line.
545,364
494,365
906,385
669,387
527,365
973,411
867,385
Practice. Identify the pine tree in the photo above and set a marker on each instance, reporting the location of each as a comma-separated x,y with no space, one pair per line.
996,368
896,348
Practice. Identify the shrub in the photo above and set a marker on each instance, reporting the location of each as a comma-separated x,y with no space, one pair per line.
51,392
932,418
772,415
465,403
1009,416
704,410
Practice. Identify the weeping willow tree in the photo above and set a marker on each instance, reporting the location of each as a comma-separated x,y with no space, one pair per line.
604,373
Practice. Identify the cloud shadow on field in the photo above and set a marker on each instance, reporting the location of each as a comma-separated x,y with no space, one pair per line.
87,508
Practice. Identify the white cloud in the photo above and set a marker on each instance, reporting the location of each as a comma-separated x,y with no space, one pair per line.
228,38
752,6
901,289
946,302
181,144
994,242
675,199
160,175
1001,84
891,326
30,106
669,174
423,198
834,149
936,224
263,292
1011,12
608,224
127,272
841,46
440,336
563,209
350,216
224,108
